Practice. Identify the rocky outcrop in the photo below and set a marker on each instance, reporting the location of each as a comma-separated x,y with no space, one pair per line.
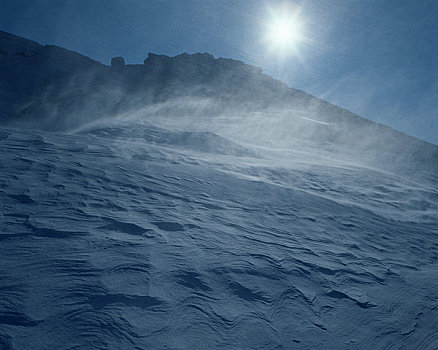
117,62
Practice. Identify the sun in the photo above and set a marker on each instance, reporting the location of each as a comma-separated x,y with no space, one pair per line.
284,31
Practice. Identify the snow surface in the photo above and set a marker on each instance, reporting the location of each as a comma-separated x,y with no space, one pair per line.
133,236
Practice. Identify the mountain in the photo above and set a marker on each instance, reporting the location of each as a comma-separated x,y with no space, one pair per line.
196,203
54,89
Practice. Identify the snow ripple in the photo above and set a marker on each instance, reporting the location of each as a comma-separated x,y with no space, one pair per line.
130,244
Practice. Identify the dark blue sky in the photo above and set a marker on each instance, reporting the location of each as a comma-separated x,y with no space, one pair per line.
377,58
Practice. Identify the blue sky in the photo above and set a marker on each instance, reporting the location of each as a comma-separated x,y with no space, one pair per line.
377,58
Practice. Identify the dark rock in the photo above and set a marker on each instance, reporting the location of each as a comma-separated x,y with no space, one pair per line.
117,62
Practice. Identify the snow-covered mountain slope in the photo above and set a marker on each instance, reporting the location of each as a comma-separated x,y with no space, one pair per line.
196,203
137,237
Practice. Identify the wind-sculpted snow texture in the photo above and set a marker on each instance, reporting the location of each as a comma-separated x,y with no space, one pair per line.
157,241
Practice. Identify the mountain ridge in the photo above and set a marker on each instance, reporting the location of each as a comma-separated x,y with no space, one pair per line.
55,89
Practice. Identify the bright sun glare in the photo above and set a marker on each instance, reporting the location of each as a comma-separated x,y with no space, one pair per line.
284,31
